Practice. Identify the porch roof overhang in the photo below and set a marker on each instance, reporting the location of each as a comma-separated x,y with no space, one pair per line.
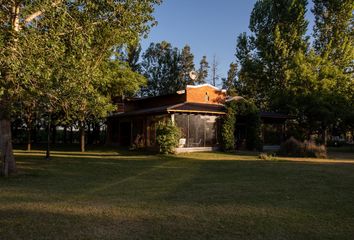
205,108
185,107
200,108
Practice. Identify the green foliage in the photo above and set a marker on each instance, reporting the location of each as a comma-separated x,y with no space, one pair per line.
120,80
203,71
186,66
278,33
129,54
160,65
280,71
79,34
251,84
167,69
249,113
167,136
53,55
228,127
132,57
230,83
278,29
333,30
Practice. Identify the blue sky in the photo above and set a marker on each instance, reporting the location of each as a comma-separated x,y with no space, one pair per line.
210,27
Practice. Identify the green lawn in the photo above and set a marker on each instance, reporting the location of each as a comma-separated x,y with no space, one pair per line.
195,196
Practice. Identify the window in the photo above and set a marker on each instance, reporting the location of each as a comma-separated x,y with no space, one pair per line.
197,130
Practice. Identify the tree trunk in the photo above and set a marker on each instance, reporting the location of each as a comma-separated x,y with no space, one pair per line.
29,145
325,136
7,158
47,155
6,154
82,137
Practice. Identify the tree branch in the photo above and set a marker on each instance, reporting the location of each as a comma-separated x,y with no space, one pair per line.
34,15
16,17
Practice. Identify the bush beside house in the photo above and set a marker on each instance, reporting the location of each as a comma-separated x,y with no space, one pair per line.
167,137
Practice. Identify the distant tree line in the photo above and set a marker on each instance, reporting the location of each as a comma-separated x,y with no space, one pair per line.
166,68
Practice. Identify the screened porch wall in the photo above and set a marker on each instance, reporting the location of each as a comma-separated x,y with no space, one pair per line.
197,130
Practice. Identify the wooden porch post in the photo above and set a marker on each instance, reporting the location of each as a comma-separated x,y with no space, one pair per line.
173,118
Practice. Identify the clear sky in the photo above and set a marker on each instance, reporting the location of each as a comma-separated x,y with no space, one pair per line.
210,27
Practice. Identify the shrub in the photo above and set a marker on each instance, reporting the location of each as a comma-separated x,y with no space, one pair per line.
314,150
167,137
292,148
267,156
295,148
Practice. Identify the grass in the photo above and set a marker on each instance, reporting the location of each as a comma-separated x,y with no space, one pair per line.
125,195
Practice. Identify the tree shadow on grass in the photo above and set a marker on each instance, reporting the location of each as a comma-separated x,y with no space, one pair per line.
71,223
74,149
282,179
67,178
306,196
59,221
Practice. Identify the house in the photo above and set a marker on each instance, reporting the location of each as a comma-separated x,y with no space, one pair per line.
195,110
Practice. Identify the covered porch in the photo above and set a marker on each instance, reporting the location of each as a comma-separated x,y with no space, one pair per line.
199,124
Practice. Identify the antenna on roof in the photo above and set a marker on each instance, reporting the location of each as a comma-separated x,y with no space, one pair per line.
193,75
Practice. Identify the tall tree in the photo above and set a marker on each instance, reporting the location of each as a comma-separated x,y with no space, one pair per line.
333,30
130,54
334,44
230,83
160,65
133,56
167,69
278,33
203,71
251,82
281,71
186,66
29,28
